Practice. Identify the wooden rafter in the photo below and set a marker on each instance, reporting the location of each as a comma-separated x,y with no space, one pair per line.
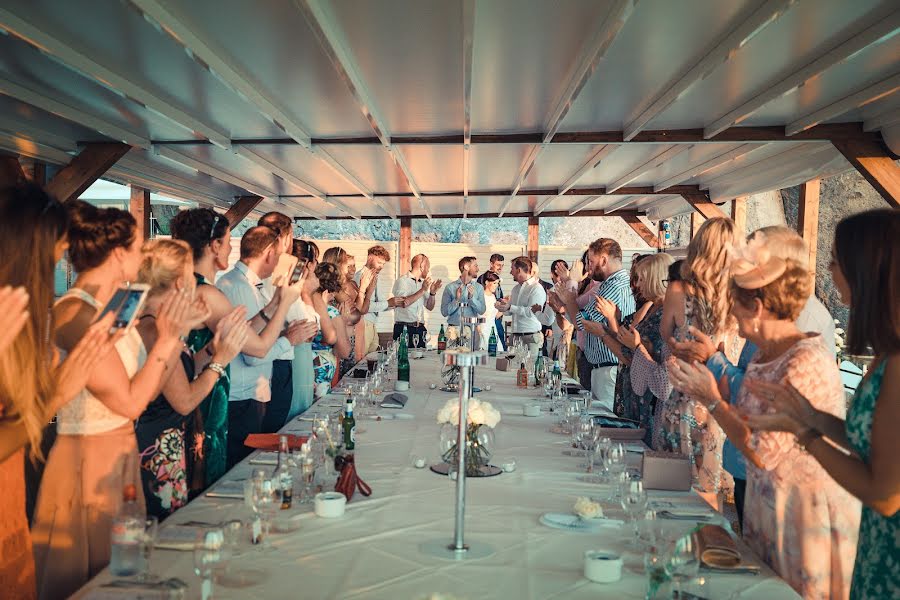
808,219
875,163
701,204
494,215
404,252
243,206
139,207
534,230
739,214
642,230
93,161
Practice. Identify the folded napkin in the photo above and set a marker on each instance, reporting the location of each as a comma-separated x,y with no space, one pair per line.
716,548
122,589
685,514
394,401
269,441
178,537
231,489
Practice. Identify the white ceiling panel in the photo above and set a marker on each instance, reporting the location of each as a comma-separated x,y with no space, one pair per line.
619,163
372,165
557,163
494,166
523,52
436,168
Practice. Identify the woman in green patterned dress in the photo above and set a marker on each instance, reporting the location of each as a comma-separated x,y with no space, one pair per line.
209,236
866,270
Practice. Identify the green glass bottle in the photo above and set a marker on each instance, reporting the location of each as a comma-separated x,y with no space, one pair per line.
403,359
492,342
349,427
442,341
538,370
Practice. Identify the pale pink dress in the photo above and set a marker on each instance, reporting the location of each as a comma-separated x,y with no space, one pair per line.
802,523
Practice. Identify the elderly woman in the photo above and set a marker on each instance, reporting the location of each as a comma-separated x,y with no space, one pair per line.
802,523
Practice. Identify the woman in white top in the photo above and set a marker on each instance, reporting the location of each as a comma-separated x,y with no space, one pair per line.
95,454
491,281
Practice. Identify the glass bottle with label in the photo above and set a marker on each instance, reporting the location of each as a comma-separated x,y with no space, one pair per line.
442,340
349,427
283,477
403,359
492,342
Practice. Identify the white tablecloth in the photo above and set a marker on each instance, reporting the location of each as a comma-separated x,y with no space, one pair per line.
374,550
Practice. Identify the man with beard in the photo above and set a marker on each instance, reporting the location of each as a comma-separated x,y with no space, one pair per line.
604,264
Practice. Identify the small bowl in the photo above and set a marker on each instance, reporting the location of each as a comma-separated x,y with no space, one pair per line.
509,466
401,386
330,505
487,387
432,386
531,410
419,462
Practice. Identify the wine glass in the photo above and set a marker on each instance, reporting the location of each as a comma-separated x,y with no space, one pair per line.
415,341
210,554
148,541
267,502
585,400
683,564
602,448
615,467
634,503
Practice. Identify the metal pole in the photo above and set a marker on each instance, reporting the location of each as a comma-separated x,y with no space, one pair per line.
464,391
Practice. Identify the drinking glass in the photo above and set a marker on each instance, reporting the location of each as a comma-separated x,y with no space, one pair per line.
210,554
148,541
655,568
307,477
585,400
415,338
602,448
232,530
634,503
615,467
683,563
267,501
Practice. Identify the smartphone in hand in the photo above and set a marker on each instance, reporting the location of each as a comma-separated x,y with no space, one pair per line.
299,270
126,303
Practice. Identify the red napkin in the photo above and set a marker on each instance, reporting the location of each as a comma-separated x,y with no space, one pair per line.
270,441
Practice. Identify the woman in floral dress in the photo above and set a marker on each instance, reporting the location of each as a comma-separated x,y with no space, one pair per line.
861,453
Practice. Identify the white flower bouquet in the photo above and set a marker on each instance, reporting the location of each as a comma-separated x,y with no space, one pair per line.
478,413
481,418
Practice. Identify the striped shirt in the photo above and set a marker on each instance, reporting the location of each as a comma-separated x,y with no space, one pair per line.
616,288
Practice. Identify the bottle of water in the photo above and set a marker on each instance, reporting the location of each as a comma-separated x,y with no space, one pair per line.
127,531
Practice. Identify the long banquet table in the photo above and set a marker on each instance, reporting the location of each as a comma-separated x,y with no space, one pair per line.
373,551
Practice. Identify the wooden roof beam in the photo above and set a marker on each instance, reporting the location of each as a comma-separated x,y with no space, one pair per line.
884,24
701,204
93,161
638,226
749,24
243,206
875,163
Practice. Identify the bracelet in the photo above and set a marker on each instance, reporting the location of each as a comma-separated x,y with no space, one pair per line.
216,368
807,437
264,316
714,405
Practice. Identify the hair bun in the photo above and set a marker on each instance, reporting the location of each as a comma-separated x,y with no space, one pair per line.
95,232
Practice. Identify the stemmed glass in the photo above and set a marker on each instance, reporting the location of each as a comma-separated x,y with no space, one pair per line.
683,564
634,503
602,448
266,501
415,340
614,464
148,541
210,554
585,400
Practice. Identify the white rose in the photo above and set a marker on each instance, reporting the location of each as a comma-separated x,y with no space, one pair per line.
476,415
588,509
491,417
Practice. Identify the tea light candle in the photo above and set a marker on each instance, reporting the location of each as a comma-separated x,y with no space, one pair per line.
419,462
487,387
432,386
602,566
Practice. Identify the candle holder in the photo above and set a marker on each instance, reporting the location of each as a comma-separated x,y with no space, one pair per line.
458,549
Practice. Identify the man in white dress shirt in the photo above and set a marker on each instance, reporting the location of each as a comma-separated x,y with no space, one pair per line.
527,293
414,293
367,280
251,387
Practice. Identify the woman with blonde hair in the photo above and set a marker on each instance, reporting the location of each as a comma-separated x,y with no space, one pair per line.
351,304
702,300
94,457
33,384
170,430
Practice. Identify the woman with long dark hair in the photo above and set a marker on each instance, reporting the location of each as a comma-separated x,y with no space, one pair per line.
32,385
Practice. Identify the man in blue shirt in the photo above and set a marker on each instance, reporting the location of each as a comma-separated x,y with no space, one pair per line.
464,290
604,264
250,376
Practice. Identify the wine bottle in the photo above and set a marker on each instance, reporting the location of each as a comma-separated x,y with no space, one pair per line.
349,427
492,342
442,341
282,476
403,359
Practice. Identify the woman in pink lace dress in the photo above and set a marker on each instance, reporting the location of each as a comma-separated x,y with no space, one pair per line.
802,523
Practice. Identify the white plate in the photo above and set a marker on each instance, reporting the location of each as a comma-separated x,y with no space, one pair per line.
571,522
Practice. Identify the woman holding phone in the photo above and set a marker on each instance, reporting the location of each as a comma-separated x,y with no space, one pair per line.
86,472
33,384
166,432
209,236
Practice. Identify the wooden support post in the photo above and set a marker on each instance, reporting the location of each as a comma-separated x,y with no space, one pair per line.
533,237
696,221
739,215
140,207
243,206
11,172
92,162
874,162
405,246
701,204
808,219
39,173
642,230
